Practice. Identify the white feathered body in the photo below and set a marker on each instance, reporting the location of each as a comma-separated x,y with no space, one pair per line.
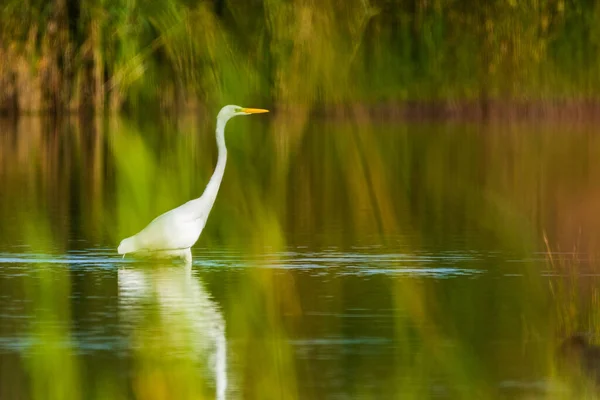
177,229
174,232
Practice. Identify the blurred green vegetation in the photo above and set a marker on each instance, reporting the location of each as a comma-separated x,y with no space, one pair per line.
137,55
355,185
411,190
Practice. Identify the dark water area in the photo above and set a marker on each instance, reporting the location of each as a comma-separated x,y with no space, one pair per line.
343,259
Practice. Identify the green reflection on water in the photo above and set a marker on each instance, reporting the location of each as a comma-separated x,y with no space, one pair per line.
368,258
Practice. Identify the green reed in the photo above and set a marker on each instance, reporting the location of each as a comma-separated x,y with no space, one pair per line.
171,55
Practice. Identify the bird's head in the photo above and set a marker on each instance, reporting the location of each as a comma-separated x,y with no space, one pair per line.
231,111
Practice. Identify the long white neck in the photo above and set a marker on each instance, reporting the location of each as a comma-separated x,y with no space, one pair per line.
215,181
200,207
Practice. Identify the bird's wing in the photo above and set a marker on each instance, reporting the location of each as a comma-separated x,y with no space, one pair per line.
196,210
169,231
178,228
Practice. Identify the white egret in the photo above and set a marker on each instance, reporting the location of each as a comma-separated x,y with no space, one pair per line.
173,233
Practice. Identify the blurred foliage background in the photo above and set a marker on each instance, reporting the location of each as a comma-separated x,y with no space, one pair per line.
311,210
89,55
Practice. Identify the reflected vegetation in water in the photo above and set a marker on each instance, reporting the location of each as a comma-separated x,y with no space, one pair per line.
345,258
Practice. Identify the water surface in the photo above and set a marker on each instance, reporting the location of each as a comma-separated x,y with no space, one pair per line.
343,259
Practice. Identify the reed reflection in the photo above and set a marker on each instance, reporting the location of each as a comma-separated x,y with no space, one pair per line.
177,332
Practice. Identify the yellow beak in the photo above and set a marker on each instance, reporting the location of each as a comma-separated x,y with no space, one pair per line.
254,110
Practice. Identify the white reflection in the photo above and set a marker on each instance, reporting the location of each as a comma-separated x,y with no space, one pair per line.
185,310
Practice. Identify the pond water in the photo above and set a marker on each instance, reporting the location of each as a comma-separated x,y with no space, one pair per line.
350,258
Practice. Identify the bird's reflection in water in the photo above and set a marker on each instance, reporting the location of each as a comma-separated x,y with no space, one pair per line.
177,330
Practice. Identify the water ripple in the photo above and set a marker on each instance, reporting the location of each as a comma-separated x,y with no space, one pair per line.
435,265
